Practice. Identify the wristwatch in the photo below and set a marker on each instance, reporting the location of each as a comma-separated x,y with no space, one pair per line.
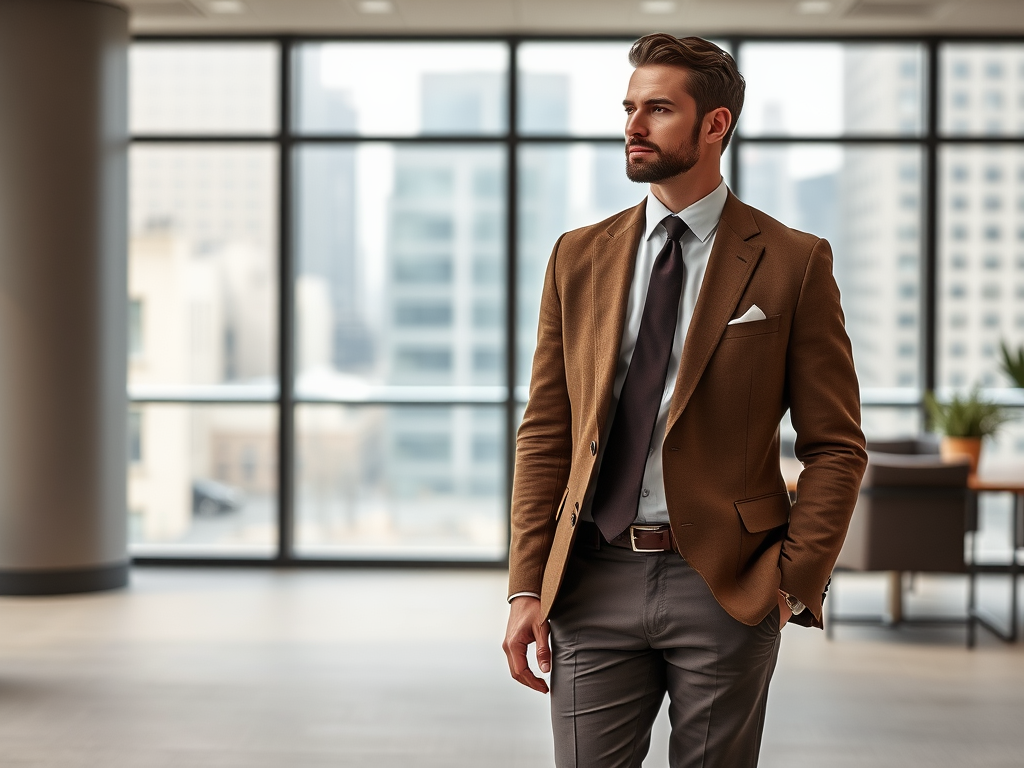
794,604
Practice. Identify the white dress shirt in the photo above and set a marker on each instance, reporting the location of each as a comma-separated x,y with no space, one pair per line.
702,219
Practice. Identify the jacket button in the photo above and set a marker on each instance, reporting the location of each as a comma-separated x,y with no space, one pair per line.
593,448
572,520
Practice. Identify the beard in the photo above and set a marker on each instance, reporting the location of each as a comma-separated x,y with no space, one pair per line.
664,166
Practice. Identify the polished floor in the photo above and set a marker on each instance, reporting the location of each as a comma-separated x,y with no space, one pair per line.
221,668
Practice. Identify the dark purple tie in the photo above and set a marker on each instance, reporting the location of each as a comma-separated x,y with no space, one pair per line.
628,444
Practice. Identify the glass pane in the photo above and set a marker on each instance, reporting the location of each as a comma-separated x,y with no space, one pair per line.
982,89
550,205
831,89
867,202
202,480
401,89
204,88
981,262
881,423
401,481
202,265
404,282
573,89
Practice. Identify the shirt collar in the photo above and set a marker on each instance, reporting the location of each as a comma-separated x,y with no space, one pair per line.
702,217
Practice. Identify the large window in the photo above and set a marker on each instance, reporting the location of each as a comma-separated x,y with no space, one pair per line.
337,250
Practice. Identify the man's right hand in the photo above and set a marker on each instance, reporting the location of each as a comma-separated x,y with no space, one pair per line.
524,628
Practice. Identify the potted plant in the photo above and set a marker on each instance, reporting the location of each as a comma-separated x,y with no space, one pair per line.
1013,363
964,422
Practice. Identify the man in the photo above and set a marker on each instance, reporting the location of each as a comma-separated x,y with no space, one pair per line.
650,522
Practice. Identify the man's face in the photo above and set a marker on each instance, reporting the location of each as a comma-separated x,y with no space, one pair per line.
662,129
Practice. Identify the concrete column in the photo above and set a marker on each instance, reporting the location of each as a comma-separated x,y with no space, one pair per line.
63,283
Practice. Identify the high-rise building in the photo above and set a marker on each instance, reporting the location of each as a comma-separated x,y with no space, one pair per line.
866,200
877,215
325,209
444,323
981,193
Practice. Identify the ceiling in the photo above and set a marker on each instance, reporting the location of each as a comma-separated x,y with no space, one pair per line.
628,17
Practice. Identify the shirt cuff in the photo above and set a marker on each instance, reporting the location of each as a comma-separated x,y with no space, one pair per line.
523,594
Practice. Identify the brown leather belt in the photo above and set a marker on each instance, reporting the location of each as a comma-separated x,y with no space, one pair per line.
638,537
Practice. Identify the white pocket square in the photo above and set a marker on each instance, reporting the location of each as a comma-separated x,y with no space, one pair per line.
752,314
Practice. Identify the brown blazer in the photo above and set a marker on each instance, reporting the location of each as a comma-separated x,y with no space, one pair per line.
727,500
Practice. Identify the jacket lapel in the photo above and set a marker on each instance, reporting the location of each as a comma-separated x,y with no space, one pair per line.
613,259
730,267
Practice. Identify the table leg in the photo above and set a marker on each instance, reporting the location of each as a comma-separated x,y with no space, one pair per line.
1013,569
1018,541
895,597
1018,522
1014,573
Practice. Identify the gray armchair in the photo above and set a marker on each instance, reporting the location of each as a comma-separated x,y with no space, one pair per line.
911,516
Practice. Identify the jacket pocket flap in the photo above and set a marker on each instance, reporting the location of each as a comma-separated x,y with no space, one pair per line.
561,504
764,512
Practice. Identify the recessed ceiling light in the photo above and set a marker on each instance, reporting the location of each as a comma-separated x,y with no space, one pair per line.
226,6
811,7
658,6
376,6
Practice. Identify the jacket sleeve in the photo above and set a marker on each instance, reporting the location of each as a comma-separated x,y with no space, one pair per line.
824,398
543,448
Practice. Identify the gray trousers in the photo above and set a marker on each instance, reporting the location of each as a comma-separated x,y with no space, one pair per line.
628,627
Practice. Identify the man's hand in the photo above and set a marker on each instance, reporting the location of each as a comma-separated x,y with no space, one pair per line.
784,613
525,627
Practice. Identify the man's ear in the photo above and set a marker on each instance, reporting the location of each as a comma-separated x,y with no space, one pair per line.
716,125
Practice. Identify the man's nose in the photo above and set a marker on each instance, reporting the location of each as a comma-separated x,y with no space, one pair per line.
635,126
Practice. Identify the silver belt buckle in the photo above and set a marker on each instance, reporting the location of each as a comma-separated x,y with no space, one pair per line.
632,536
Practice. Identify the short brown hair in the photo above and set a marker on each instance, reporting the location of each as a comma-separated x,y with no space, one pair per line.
713,78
